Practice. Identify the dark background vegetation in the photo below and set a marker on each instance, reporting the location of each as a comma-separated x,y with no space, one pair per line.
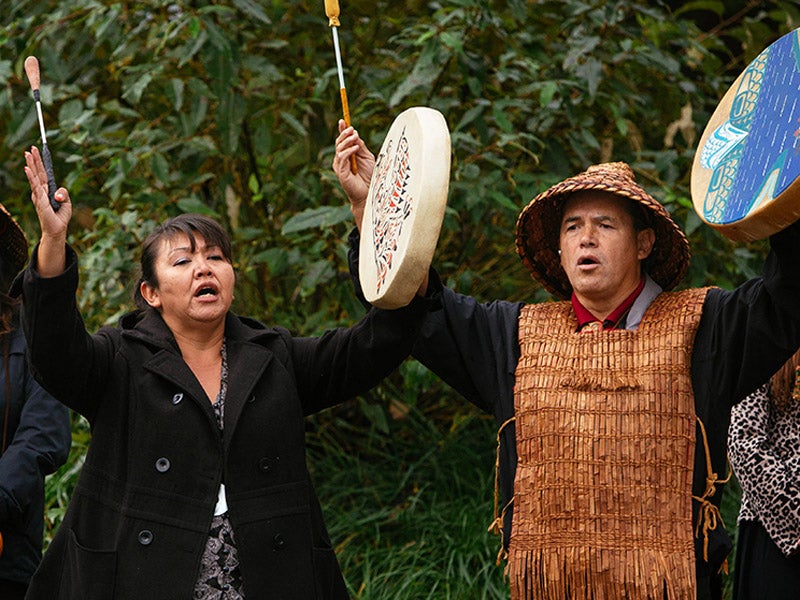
229,107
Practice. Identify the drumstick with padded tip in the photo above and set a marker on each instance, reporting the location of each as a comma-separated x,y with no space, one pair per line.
32,71
332,11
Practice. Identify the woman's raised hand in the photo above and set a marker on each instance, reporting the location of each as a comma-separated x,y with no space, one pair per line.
52,223
51,253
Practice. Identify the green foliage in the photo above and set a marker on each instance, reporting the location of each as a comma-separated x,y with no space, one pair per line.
408,502
229,107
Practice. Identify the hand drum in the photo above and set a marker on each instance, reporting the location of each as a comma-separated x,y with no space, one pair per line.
745,173
405,207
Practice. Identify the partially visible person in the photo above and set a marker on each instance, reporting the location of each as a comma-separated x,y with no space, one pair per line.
195,483
35,435
764,449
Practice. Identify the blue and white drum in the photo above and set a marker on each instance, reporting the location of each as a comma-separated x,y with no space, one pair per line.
745,178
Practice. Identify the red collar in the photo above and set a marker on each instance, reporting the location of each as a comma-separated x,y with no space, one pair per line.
613,319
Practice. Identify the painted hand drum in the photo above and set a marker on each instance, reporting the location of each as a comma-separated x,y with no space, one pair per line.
745,174
405,207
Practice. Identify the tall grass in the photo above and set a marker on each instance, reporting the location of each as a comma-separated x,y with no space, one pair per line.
408,508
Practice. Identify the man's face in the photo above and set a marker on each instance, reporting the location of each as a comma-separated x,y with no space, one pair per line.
601,251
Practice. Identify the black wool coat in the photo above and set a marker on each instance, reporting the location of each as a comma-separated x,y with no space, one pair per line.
138,522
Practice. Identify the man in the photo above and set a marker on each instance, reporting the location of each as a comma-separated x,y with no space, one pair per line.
613,405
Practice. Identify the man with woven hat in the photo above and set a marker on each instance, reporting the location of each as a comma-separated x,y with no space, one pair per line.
613,404
35,436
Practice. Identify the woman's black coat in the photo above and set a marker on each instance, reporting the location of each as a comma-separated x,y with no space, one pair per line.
138,522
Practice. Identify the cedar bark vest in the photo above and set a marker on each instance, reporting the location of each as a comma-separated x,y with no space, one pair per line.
605,428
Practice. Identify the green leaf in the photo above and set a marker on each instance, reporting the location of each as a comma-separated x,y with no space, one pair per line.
137,82
160,167
714,6
230,113
427,68
5,71
547,92
294,123
317,218
194,205
276,259
316,274
174,92
502,119
504,201
376,415
252,9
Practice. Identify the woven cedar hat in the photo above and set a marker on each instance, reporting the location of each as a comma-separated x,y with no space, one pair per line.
13,243
539,225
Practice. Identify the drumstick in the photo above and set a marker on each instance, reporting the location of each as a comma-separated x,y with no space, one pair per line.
32,70
332,10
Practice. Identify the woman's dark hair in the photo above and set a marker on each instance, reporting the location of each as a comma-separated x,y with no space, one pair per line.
190,225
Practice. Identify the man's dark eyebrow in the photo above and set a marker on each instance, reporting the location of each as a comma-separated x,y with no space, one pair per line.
573,218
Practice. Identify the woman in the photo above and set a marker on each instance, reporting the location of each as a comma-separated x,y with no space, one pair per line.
764,449
35,435
195,482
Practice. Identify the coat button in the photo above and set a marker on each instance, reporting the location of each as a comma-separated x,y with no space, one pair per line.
251,399
278,543
264,465
162,465
176,399
145,537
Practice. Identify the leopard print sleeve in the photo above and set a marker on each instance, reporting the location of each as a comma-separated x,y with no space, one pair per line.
763,443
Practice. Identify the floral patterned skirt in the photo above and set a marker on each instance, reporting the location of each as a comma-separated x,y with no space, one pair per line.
219,577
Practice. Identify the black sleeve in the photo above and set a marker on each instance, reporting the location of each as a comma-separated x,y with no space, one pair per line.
472,346
69,363
348,361
745,335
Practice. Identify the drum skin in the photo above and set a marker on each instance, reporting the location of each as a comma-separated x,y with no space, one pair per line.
405,206
744,179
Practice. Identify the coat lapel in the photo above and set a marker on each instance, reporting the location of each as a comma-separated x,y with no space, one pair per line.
149,328
174,369
247,362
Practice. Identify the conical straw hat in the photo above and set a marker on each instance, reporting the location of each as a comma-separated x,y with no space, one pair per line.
539,225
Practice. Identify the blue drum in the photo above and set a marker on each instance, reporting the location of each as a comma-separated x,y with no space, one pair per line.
745,173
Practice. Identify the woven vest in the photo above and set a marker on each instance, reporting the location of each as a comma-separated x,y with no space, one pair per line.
605,428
